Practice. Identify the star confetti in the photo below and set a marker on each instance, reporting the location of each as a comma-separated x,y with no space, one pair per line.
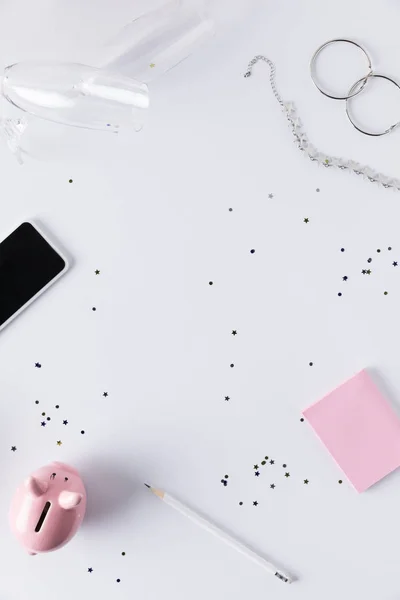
255,503
234,332
13,448
59,443
43,423
90,570
306,481
306,220
394,263
105,394
270,196
227,398
272,486
287,475
257,473
97,272
38,365
65,422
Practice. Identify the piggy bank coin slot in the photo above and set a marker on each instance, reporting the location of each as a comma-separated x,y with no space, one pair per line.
42,516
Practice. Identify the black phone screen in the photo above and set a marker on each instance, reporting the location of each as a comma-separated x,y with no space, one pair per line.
27,264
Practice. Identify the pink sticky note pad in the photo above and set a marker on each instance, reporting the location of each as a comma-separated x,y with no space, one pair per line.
360,430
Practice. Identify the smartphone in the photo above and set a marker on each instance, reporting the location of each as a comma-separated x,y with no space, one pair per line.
29,265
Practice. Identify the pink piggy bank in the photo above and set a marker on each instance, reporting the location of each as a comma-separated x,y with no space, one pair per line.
48,508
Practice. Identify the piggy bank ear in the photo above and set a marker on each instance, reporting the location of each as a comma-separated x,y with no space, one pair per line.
69,500
36,487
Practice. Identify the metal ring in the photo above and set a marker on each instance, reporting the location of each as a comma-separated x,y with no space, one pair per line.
348,112
363,80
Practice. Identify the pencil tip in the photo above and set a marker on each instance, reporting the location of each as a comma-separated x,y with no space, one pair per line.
147,485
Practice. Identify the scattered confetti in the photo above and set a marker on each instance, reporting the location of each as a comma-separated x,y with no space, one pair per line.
310,364
210,283
90,570
118,580
272,486
97,272
59,443
152,65
284,465
94,308
255,503
65,478
302,420
231,209
390,247
345,278
224,480
123,553
57,406
385,293
257,473
82,432
339,294
65,422
43,423
369,271
13,448
341,249
105,394
378,250
271,462
394,263
231,365
369,260
38,365
252,251
70,180
306,220
255,467
340,481
263,462
317,190
234,332
287,475
36,401
240,503
306,481
266,457
270,196
227,398
48,419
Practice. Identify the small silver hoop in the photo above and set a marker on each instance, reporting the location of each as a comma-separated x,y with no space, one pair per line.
363,81
348,104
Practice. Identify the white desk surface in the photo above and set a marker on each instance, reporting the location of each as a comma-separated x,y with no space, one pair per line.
151,212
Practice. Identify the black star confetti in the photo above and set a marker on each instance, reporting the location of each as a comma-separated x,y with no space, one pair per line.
90,570
394,264
105,394
306,481
97,272
257,473
364,271
227,398
43,423
255,503
38,365
13,448
306,220
65,422
272,486
270,196
287,474
234,332
255,467
345,278
271,462
59,443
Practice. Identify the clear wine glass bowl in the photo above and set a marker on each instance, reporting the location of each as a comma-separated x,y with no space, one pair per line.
76,94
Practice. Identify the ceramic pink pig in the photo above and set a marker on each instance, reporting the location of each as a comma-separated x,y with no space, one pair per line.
48,508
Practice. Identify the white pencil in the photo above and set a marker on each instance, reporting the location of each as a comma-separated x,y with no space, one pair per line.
225,537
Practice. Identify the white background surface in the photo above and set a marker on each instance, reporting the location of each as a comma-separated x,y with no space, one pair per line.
151,212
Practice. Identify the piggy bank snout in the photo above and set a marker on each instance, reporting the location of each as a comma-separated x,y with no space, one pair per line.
48,509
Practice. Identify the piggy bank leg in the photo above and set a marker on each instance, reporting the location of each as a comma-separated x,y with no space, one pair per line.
32,553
